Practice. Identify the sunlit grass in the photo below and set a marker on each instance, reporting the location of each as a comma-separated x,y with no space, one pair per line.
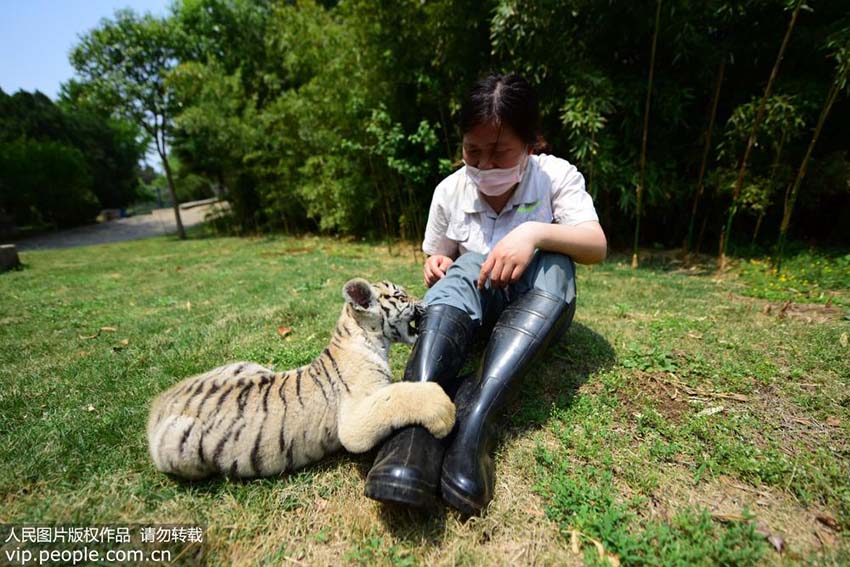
677,422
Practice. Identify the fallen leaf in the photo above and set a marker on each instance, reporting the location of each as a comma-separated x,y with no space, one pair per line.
843,341
828,521
110,329
87,337
283,331
90,408
833,421
125,342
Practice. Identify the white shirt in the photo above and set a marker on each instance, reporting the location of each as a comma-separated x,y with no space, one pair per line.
460,221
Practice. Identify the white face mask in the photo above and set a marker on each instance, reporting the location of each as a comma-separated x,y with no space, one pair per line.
495,182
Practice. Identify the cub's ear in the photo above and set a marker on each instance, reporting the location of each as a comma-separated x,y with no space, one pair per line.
358,293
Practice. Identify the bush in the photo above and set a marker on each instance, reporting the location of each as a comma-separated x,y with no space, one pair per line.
45,183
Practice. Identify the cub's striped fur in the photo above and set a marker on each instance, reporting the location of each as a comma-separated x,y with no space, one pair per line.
244,420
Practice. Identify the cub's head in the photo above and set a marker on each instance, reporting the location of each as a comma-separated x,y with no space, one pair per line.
384,308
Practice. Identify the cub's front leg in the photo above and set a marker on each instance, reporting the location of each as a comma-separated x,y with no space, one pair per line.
363,422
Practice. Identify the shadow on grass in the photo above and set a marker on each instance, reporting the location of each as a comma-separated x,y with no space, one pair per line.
568,364
670,261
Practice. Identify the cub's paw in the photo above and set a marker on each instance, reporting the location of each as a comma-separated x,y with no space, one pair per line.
436,410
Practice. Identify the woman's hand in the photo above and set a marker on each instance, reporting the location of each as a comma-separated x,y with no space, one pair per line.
435,268
511,256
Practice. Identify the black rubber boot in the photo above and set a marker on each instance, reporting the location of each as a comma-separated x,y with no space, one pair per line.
407,467
522,332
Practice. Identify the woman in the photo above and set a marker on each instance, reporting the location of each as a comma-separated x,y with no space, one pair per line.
502,235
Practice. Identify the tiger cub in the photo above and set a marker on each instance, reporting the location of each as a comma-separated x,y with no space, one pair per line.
244,420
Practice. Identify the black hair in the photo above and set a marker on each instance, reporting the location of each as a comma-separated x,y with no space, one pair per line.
503,99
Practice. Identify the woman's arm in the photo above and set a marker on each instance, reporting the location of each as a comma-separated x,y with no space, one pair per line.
585,243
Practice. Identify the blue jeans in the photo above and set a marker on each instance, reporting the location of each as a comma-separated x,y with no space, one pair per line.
548,271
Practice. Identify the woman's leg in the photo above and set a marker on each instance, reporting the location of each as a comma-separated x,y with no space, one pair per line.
541,308
407,468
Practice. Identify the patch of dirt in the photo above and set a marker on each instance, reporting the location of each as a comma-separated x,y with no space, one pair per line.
645,387
805,312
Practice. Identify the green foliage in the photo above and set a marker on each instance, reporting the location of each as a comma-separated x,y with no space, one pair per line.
124,63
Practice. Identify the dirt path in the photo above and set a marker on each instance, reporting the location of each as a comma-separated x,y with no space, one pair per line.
158,223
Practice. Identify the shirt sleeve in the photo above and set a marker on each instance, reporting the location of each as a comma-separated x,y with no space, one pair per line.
571,203
436,241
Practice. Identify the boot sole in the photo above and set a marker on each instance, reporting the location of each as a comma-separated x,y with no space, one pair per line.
387,491
460,501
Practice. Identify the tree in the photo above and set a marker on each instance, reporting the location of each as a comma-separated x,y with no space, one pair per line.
124,64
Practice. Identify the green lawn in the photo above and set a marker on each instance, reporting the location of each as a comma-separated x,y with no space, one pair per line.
685,418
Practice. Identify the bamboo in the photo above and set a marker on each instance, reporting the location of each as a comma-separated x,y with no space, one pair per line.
739,183
801,172
639,190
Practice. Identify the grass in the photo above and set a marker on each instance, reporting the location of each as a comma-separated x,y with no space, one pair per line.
684,419
807,277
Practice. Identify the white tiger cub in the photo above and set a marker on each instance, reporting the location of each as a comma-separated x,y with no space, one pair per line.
244,420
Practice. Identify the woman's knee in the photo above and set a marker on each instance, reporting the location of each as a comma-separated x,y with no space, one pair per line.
554,273
559,262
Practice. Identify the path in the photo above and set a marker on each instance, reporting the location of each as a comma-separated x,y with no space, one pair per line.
158,223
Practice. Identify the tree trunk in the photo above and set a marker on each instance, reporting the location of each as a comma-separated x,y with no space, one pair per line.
705,151
639,191
792,197
181,233
739,183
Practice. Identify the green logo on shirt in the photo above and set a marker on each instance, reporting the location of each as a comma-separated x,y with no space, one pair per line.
529,208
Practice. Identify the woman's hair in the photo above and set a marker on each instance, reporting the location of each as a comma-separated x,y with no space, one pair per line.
503,99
